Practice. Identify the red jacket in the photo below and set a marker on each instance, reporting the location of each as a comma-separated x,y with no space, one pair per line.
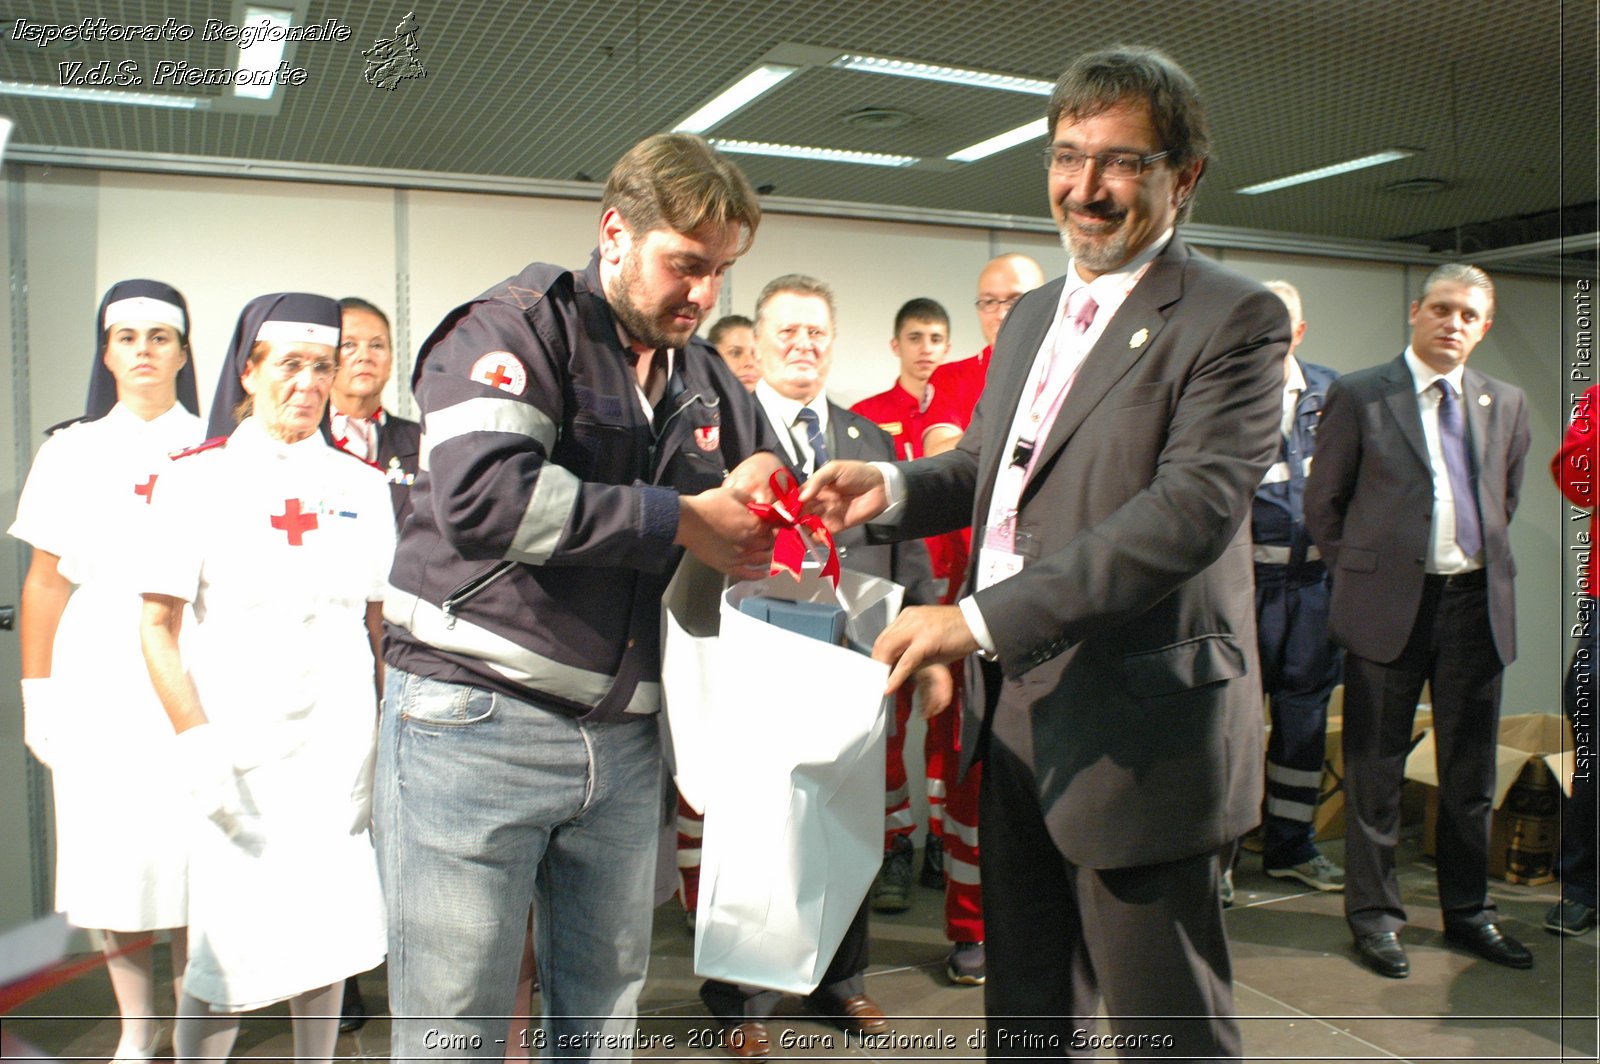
1574,465
956,387
900,414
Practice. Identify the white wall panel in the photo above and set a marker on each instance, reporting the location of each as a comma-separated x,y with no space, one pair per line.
224,241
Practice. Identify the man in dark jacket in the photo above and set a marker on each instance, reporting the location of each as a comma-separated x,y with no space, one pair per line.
1299,665
1419,465
576,435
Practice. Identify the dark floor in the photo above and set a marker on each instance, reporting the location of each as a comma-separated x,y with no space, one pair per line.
1300,994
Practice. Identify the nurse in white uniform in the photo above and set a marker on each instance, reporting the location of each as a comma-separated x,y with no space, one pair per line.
282,543
90,713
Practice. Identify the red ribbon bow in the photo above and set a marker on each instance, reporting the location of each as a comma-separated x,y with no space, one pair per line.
783,513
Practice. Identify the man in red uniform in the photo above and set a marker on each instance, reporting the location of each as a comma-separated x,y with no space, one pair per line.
921,342
957,385
948,399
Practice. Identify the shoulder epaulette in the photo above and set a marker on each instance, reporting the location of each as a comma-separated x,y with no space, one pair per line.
67,424
215,441
528,287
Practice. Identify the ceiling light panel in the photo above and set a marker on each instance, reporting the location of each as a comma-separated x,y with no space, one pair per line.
822,155
264,53
88,95
904,68
1011,138
814,106
1322,172
755,84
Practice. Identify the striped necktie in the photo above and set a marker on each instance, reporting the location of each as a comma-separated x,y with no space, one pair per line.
814,438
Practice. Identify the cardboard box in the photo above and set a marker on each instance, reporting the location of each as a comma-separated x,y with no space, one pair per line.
1533,766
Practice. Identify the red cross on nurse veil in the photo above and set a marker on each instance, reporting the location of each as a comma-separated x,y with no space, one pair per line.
293,522
501,370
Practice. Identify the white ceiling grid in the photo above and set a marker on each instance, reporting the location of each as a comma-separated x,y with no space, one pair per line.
1498,97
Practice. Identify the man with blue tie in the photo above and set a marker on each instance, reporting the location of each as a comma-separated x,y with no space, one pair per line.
1418,466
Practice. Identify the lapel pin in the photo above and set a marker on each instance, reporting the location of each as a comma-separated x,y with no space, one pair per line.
854,433
1137,339
1484,400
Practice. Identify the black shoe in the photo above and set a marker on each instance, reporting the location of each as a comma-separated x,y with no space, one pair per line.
1568,917
353,1011
932,874
1382,952
892,891
1491,943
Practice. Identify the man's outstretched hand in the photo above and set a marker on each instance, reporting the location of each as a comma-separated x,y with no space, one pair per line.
922,635
845,494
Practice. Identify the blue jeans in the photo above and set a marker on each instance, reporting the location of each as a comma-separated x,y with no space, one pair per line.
485,805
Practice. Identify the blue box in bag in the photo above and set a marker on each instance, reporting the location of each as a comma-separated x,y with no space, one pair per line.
816,620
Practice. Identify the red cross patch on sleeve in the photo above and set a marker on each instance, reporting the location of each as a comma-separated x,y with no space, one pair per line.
500,369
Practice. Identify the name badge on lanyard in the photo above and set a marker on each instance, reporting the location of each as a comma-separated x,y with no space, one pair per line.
1004,550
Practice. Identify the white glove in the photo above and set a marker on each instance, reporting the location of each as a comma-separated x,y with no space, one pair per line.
205,762
39,717
361,794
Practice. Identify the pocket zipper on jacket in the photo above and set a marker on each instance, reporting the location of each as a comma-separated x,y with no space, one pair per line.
471,589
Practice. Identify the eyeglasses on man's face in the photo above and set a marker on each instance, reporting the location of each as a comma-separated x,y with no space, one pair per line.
1115,165
989,304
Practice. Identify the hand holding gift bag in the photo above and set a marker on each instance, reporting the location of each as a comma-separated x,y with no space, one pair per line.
790,729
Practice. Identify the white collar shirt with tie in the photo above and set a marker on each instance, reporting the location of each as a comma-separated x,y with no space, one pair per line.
784,413
1443,554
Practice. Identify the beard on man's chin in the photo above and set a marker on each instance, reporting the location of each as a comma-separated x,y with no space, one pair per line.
1100,252
647,330
1101,257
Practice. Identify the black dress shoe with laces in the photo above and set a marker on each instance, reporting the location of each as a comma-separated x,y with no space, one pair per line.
1382,952
1491,943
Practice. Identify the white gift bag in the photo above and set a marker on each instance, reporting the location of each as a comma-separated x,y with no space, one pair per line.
779,739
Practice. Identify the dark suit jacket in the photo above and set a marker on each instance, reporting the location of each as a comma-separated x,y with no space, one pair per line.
1127,648
852,436
399,444
1369,503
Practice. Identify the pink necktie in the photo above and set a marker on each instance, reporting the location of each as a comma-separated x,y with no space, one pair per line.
1086,311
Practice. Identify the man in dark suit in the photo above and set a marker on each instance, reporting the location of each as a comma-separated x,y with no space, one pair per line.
794,333
1416,478
1131,410
357,421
